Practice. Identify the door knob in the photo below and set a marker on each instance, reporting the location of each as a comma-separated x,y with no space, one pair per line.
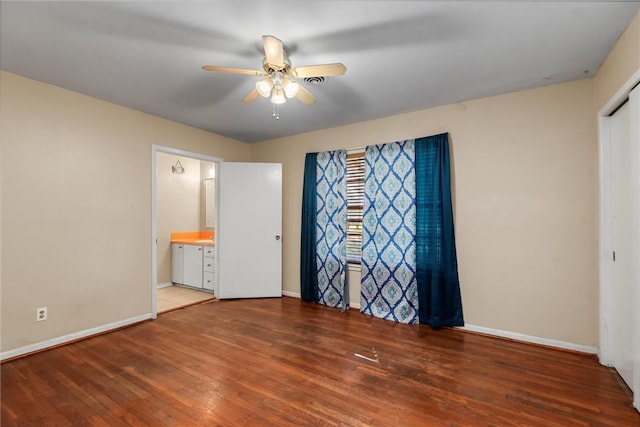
277,237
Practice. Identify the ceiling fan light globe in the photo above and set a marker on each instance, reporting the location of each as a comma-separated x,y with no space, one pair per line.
264,87
278,96
290,88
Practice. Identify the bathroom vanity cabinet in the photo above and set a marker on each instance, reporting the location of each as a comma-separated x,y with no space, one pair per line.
192,265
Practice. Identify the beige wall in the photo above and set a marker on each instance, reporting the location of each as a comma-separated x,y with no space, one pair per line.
76,207
524,176
621,63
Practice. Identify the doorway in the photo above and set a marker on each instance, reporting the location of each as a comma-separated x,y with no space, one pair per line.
180,207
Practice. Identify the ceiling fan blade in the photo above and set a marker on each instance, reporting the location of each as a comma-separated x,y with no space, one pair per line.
232,70
274,52
253,95
305,96
323,70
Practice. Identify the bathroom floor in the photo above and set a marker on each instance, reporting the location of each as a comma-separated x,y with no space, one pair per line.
173,297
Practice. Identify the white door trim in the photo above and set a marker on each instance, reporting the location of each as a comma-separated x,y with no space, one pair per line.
155,149
605,353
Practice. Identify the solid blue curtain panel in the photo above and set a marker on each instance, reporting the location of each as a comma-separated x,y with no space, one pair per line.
308,273
439,298
388,279
323,258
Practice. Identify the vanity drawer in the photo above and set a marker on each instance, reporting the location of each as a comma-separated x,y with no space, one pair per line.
207,281
208,264
208,251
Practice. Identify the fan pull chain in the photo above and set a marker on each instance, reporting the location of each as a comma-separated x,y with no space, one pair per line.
276,115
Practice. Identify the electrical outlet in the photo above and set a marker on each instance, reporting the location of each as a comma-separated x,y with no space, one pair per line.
41,314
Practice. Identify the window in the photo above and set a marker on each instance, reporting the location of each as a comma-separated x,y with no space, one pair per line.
355,204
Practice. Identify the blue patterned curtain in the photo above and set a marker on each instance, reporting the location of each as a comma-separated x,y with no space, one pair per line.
331,228
388,283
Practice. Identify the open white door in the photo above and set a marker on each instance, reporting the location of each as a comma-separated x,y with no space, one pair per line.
249,229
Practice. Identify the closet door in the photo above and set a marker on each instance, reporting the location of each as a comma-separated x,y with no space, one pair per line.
621,192
625,186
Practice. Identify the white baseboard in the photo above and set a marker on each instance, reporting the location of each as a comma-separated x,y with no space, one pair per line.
164,285
531,339
71,337
290,294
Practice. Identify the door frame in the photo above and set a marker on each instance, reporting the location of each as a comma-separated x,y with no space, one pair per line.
605,352
155,149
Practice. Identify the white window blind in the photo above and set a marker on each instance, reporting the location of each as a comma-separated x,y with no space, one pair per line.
355,204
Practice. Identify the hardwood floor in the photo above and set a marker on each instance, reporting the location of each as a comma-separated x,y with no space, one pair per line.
285,362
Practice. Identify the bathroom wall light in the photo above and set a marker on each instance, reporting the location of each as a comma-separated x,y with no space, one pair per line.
177,168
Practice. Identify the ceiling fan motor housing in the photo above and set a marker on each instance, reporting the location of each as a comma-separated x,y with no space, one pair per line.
270,68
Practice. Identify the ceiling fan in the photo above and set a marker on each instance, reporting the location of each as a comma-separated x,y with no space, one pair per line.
280,79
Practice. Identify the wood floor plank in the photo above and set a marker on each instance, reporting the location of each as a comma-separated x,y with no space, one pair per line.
278,362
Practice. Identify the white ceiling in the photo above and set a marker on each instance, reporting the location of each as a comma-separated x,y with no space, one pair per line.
401,56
